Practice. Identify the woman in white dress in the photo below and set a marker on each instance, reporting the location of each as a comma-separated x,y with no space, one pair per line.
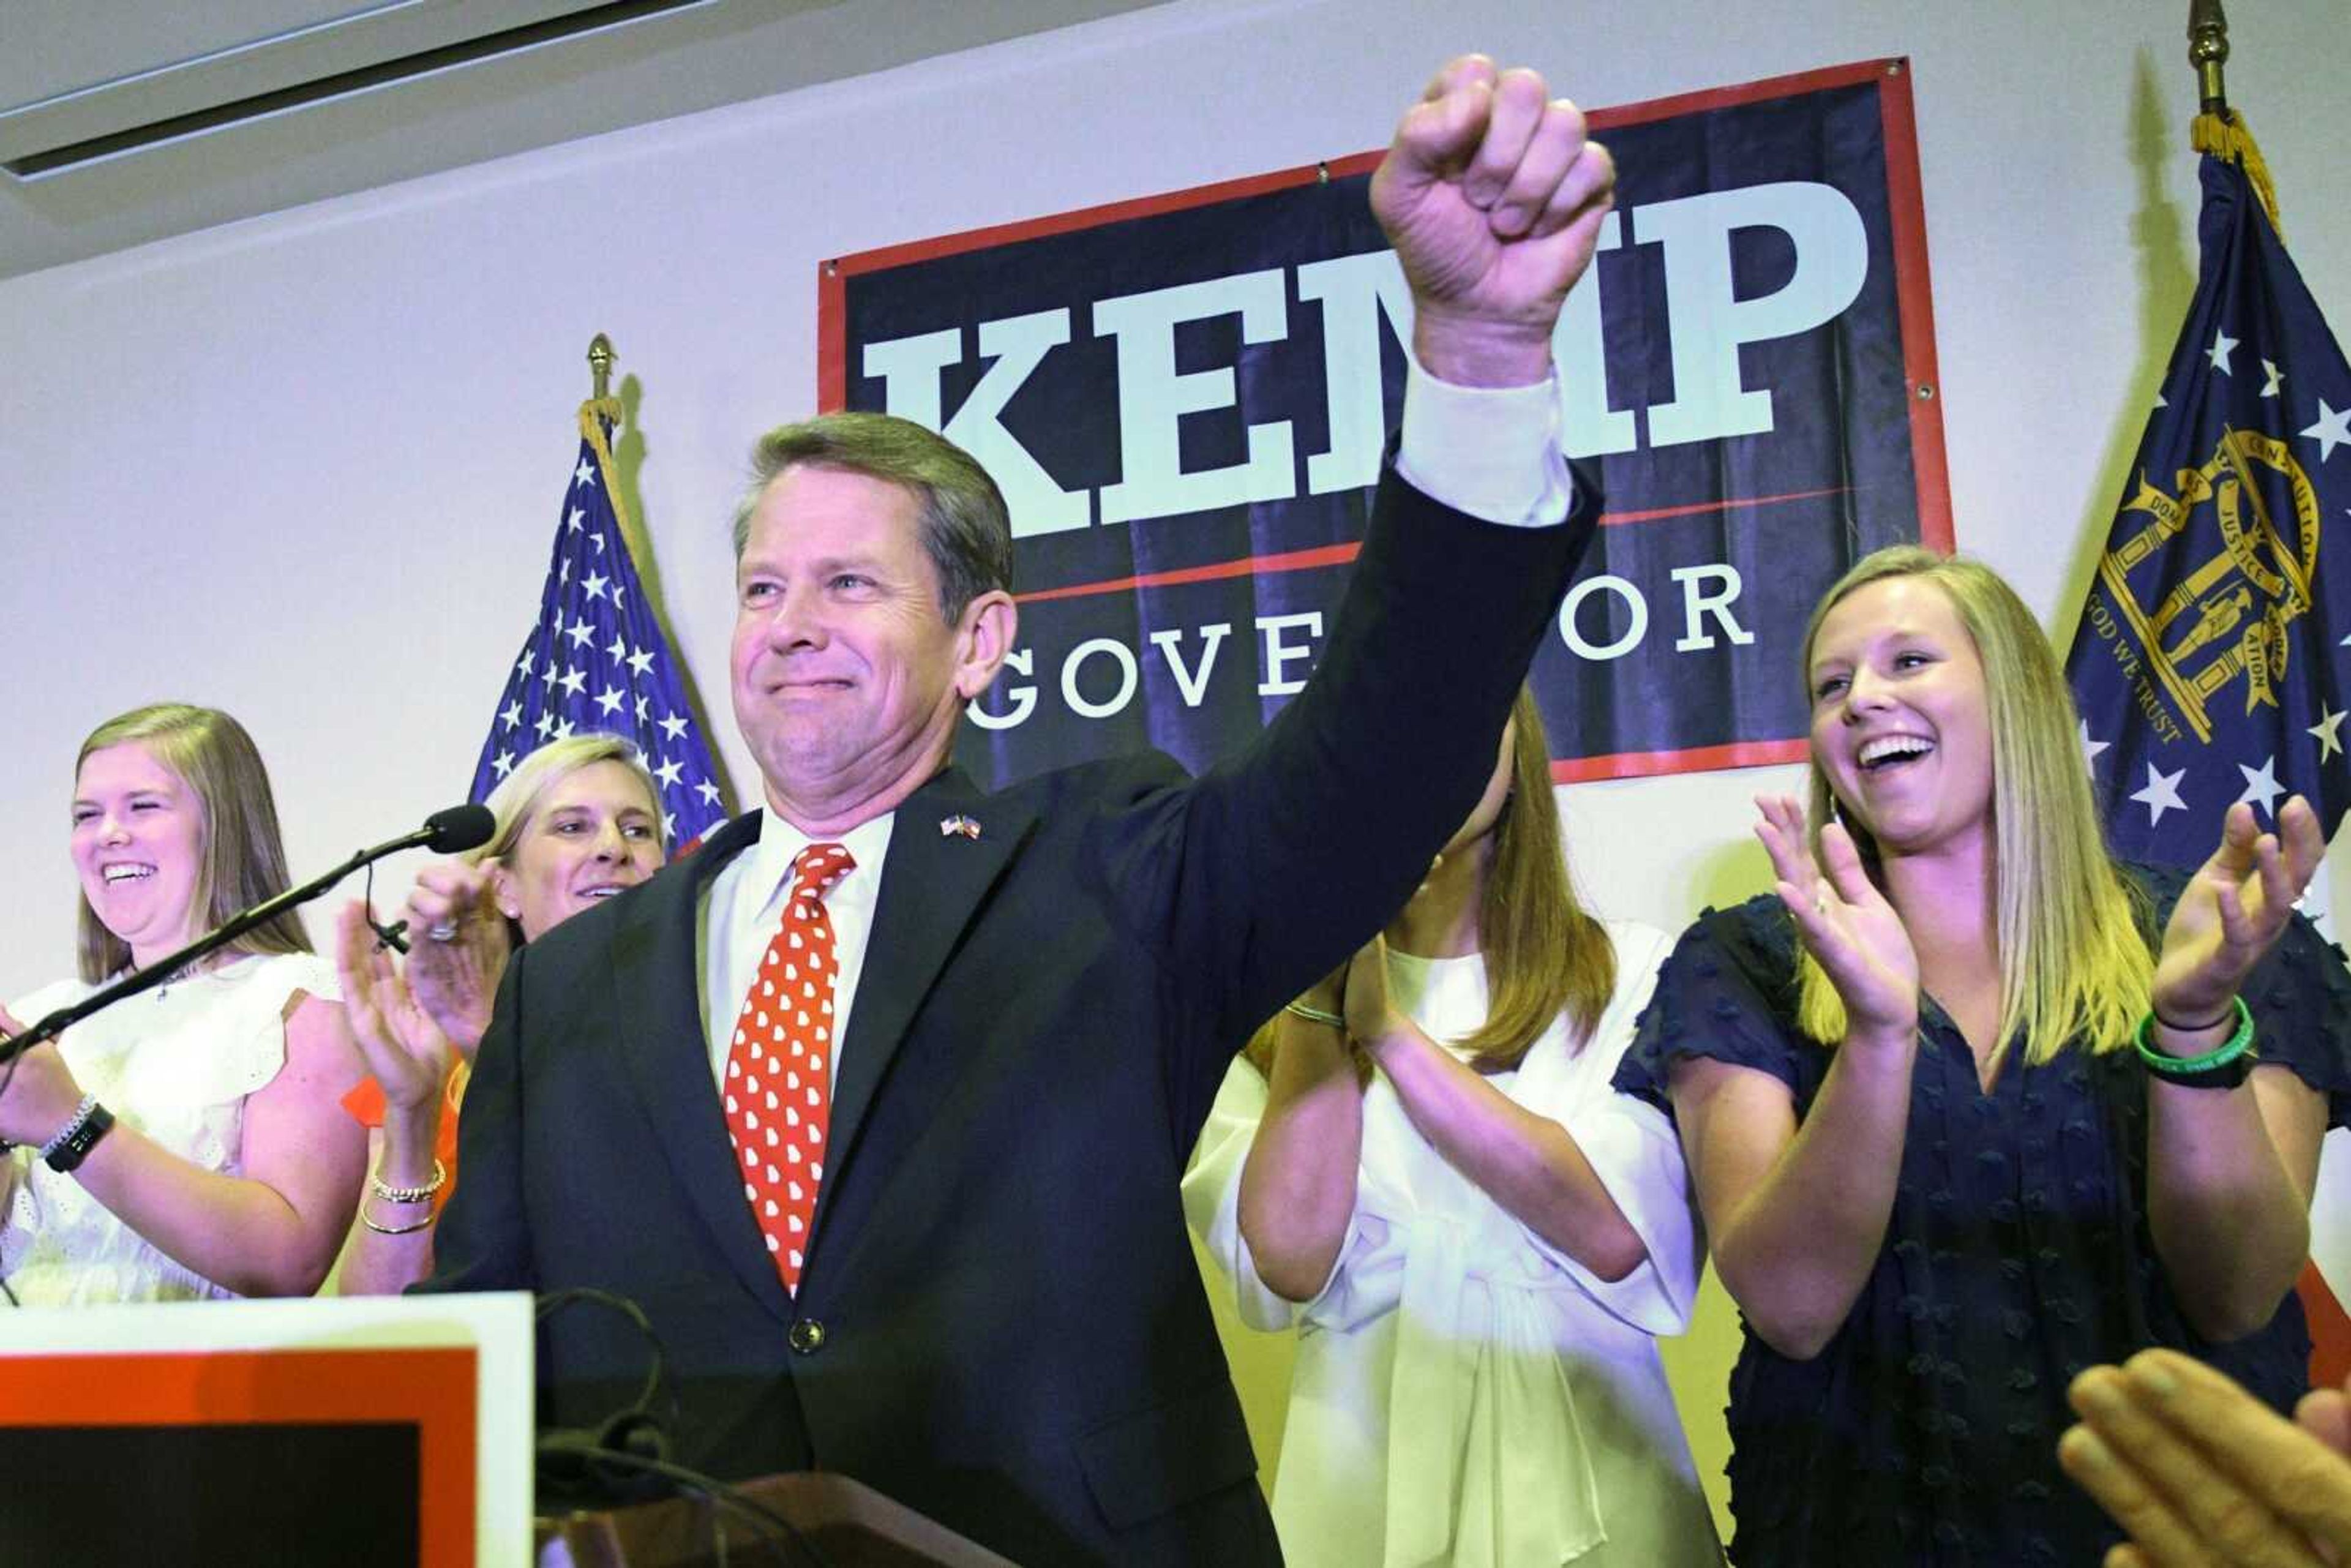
1421,1164
185,1143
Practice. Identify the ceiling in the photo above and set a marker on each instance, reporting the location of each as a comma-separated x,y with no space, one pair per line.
123,121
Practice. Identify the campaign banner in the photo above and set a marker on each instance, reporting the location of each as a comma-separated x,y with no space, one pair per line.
1187,399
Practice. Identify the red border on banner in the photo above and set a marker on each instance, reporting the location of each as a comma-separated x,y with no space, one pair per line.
1914,303
1906,207
1690,760
1342,554
435,1388
1215,572
832,338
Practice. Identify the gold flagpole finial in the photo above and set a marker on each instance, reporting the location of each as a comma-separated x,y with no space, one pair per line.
2218,129
600,355
2208,51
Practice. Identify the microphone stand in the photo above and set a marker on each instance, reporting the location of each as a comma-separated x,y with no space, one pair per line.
164,968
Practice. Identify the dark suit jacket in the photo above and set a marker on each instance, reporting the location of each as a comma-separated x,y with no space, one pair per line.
1001,1323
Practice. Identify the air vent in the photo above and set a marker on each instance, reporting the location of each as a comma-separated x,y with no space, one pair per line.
376,49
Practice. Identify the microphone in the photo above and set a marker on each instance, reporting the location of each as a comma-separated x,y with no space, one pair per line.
455,829
444,832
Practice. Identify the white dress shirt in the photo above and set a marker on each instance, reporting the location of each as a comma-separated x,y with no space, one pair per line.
745,905
1489,453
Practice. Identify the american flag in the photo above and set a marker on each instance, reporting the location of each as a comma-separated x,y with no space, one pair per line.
595,658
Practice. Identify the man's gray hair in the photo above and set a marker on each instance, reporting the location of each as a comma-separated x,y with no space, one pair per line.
965,529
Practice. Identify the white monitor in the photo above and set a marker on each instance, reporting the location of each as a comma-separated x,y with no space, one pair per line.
380,1429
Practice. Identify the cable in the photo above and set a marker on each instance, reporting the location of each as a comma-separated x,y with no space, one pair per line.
555,1302
395,935
774,1528
593,1452
8,1076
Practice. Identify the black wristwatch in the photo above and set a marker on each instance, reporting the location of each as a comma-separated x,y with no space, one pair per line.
84,1138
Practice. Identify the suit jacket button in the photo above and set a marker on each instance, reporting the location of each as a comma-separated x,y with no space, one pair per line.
806,1336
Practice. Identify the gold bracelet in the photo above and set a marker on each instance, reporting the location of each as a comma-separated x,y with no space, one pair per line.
1314,1015
411,1193
396,1229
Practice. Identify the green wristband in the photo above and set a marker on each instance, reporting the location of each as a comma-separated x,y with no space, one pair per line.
2222,1068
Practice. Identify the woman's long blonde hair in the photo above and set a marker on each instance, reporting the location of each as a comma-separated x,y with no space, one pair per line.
1545,955
243,858
2073,932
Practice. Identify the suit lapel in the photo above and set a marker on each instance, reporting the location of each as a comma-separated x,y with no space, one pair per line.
931,880
667,1055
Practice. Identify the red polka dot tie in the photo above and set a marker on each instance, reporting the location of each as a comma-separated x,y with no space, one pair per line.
778,1087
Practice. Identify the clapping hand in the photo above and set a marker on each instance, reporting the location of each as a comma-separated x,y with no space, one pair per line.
406,1049
1493,200
2232,911
1309,1036
1372,1016
2200,1472
458,950
1845,923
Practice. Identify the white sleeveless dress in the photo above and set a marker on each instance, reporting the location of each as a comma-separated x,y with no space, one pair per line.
177,1063
1464,1393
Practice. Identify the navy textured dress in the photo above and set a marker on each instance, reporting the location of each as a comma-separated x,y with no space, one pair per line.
2017,1254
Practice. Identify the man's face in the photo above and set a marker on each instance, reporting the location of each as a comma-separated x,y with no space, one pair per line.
848,682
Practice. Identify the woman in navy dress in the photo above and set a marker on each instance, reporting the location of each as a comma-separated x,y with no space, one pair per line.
1969,1107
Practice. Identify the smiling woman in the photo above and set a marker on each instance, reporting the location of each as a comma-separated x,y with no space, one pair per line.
185,1143
584,827
578,821
138,845
1969,1106
1901,719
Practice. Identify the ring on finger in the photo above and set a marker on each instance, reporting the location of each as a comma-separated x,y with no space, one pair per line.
444,931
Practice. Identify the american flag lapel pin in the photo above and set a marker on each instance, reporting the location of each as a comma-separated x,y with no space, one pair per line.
958,823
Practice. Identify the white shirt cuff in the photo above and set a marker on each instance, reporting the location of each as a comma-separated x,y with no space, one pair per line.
1491,453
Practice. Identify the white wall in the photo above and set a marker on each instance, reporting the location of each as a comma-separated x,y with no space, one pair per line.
305,468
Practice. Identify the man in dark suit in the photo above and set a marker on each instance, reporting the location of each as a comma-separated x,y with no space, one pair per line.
950,1260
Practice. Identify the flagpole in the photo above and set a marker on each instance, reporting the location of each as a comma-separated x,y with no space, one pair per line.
600,355
599,656
2219,128
601,405
2208,51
